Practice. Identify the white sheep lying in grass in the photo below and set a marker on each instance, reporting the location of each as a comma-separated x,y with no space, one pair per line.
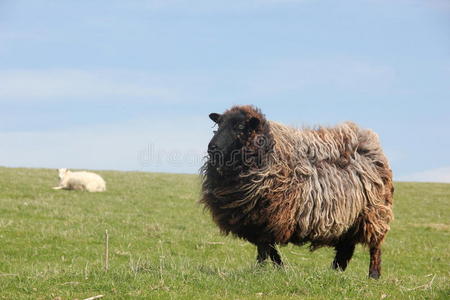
84,181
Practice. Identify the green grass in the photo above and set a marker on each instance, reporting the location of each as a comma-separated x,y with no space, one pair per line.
163,245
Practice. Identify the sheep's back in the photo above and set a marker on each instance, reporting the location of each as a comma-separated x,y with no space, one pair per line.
86,180
321,181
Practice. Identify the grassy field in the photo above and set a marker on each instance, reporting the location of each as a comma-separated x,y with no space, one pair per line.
163,245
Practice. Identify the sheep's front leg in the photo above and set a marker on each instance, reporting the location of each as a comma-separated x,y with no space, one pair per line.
275,256
344,252
263,253
268,250
57,188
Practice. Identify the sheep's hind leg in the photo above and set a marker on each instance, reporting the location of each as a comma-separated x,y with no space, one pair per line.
344,253
268,250
375,262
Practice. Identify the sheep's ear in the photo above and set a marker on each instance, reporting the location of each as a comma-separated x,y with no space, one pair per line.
253,123
215,117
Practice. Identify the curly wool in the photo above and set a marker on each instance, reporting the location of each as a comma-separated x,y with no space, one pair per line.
316,186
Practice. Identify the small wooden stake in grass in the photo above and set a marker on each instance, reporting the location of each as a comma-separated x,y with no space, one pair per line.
106,250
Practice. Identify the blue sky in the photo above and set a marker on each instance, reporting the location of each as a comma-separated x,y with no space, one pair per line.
128,85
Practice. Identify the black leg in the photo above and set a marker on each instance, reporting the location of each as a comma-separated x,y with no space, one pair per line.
375,262
263,253
275,256
268,250
344,252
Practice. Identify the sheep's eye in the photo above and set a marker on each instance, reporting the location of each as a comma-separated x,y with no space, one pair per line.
214,131
241,127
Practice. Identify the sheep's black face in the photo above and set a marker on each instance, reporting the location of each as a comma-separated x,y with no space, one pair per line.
225,148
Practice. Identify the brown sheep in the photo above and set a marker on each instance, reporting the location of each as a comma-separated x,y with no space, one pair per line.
272,184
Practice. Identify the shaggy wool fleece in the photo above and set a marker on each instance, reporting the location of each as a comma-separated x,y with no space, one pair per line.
315,186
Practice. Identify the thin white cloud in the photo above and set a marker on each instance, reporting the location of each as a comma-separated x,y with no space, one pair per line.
346,74
266,79
432,175
159,145
60,84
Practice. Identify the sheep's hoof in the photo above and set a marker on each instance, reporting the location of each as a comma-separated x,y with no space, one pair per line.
374,275
278,264
336,266
261,264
